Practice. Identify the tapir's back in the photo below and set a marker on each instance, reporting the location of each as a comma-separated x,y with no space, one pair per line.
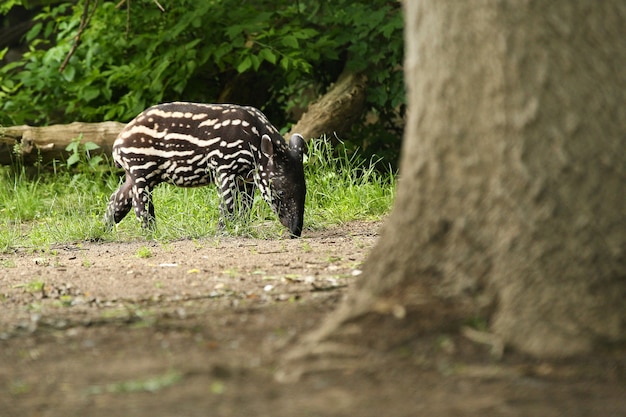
184,143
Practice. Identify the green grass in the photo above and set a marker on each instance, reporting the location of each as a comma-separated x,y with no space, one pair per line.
68,205
144,252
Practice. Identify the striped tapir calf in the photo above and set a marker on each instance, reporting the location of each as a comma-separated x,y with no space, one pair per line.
191,144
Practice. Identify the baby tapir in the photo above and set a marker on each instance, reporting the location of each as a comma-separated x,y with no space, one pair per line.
191,144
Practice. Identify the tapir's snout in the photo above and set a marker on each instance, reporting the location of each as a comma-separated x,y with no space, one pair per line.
295,228
293,223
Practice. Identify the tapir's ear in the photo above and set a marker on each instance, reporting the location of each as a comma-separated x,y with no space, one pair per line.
297,145
266,146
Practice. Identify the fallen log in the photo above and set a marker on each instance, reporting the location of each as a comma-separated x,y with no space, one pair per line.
334,113
31,145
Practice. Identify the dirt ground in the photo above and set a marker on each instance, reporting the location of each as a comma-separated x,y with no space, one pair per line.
200,328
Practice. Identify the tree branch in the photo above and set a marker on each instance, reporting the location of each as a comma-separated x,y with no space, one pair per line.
159,5
84,21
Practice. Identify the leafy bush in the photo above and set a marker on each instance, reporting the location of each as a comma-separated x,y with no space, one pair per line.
274,54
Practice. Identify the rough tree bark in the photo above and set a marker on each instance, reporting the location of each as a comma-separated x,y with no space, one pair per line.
511,200
31,145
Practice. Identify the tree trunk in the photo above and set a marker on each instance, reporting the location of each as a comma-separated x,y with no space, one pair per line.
32,145
511,200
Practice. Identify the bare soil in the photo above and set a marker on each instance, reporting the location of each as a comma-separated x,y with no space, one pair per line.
199,328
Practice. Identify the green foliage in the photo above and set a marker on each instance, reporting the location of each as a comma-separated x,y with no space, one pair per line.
80,155
7,5
70,205
374,46
275,54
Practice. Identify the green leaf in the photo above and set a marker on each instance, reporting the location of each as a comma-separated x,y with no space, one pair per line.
390,27
290,41
256,62
268,55
222,50
73,159
193,43
245,64
72,146
90,93
69,72
49,29
234,31
305,33
33,32
90,146
95,161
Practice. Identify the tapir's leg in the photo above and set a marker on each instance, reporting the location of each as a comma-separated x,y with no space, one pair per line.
142,201
227,187
119,203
